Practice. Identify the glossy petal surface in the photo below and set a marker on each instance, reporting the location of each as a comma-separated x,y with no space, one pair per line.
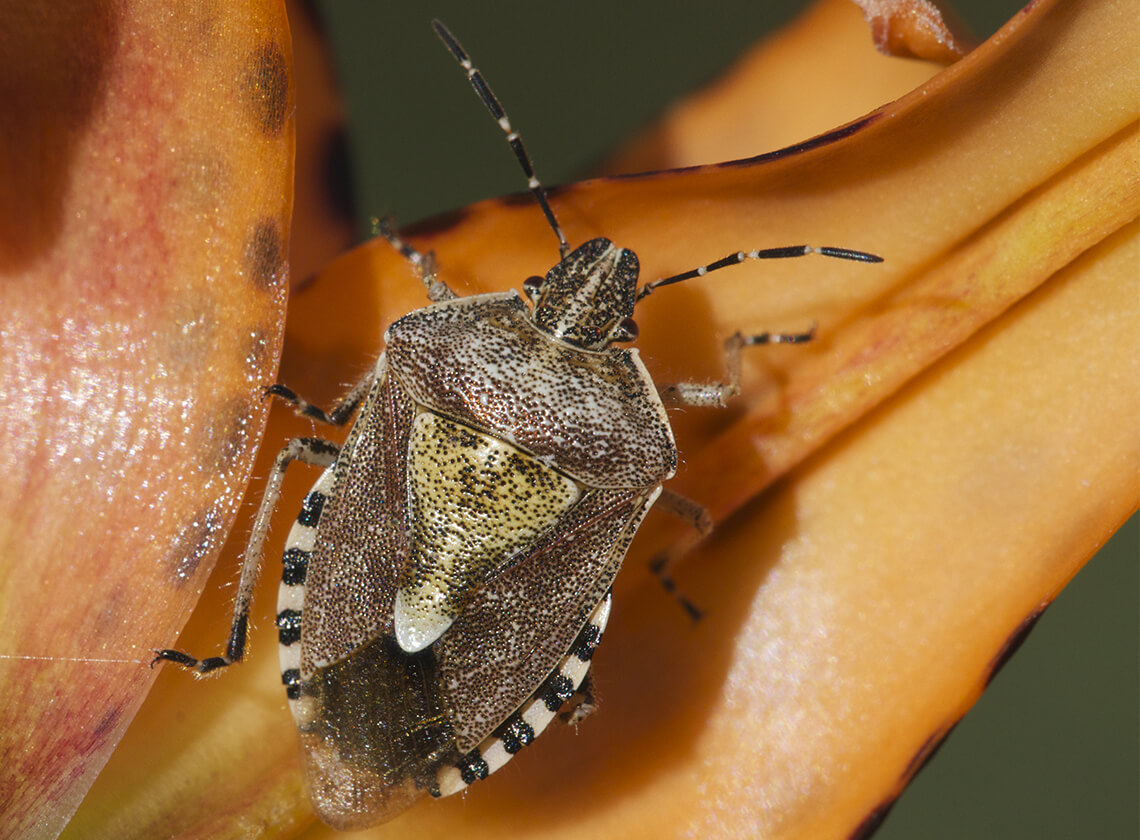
145,192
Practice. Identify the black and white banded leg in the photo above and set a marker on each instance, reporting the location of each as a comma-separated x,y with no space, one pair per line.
714,394
340,414
696,515
313,451
717,394
528,721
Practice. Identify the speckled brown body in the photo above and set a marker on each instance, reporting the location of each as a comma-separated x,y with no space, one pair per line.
472,523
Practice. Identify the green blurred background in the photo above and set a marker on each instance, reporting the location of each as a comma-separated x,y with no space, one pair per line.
1051,750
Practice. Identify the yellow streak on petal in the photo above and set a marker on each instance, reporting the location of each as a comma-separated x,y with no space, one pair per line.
879,349
908,549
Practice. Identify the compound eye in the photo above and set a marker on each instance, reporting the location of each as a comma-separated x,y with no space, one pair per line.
626,330
532,286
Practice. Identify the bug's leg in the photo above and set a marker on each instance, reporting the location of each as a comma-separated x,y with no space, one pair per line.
696,515
340,414
717,394
424,264
660,566
583,704
313,451
685,508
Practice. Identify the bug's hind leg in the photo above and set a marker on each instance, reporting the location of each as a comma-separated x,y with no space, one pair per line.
714,394
696,515
583,704
424,264
717,394
313,451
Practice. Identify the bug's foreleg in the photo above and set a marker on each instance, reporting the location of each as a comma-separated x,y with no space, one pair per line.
717,394
340,414
313,451
424,264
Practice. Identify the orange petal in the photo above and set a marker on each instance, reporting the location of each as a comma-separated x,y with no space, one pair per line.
915,29
839,76
145,162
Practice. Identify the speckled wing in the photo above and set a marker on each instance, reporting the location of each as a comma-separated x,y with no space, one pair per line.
515,628
362,536
382,720
375,727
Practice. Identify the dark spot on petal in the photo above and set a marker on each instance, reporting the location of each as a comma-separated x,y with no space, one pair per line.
226,439
194,543
265,88
872,821
1014,641
264,254
55,65
107,723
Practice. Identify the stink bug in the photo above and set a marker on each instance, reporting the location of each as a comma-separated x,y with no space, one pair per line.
448,577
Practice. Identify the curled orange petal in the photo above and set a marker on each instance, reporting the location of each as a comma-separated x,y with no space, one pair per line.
145,192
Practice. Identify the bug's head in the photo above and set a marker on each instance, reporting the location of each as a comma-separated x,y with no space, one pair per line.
587,299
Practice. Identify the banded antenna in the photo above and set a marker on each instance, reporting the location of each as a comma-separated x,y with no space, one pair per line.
782,253
513,138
